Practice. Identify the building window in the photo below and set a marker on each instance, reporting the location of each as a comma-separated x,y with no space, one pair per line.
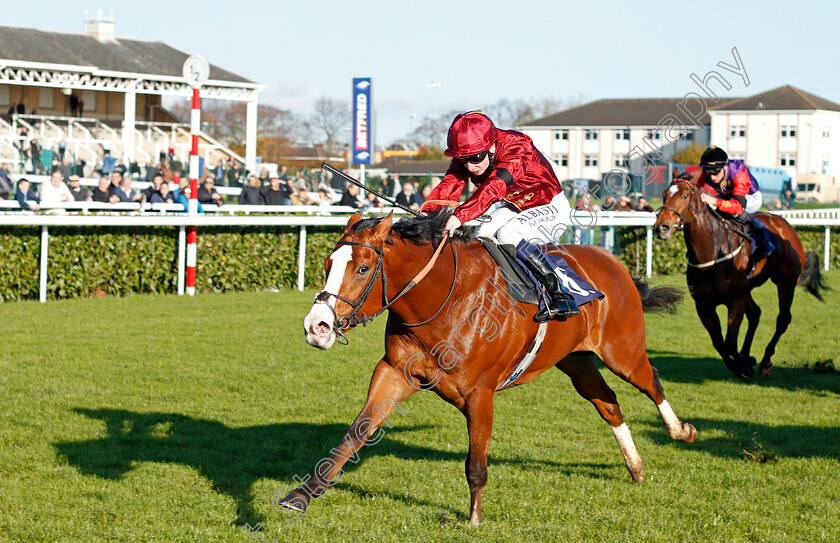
689,136
590,134
737,131
788,131
562,160
826,132
787,159
590,160
561,135
737,156
622,134
653,135
620,161
825,163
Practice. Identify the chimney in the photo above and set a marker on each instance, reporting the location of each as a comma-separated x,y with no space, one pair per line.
100,27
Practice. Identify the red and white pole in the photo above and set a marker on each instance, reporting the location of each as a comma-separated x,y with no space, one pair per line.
195,125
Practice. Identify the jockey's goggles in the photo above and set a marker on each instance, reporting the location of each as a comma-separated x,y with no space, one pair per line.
473,159
713,170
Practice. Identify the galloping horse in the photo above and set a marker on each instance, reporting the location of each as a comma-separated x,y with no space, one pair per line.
719,274
460,334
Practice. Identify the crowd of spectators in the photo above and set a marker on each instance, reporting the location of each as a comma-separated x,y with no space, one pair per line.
622,203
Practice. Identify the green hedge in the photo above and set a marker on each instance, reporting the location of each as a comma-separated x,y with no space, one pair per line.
121,261
669,256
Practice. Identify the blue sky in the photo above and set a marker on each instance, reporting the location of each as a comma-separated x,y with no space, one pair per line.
479,51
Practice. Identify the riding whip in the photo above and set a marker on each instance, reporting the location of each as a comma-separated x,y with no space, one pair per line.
335,171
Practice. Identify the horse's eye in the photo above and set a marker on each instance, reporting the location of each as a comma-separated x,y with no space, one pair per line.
685,195
362,270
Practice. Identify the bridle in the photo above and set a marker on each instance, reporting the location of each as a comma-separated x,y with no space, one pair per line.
683,220
340,325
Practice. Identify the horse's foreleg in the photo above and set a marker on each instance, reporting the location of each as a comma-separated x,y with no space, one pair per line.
582,369
786,292
753,313
388,387
479,412
708,316
735,317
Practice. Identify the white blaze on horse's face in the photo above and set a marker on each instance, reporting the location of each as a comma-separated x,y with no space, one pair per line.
673,190
319,324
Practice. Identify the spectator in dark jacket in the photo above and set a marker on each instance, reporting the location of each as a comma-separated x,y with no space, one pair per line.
351,197
102,192
5,181
80,193
274,195
251,195
25,197
207,193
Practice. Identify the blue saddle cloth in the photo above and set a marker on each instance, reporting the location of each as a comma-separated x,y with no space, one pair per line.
581,290
762,241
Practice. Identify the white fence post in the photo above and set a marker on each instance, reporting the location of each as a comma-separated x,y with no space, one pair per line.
826,256
182,244
649,251
45,247
302,258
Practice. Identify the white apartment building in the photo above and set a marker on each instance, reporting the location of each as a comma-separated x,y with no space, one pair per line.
594,139
784,128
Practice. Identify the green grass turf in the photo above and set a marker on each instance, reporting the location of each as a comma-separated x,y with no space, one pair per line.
175,419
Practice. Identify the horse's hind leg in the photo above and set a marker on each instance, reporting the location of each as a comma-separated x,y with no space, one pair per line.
628,359
582,369
786,291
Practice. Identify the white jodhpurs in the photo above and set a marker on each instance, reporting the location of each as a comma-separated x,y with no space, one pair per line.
753,202
538,225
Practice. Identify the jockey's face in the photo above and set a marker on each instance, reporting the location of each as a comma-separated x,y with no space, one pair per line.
717,177
479,168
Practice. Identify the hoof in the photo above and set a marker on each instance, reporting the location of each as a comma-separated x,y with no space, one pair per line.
639,478
692,433
765,369
296,500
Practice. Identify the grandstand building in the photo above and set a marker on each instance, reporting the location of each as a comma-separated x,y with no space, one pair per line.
101,93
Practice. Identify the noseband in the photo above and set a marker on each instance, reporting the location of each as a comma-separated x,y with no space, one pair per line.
354,318
683,220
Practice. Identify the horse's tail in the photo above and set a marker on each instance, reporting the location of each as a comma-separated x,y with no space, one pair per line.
812,279
658,299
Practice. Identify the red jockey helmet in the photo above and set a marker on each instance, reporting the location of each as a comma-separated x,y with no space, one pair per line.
470,133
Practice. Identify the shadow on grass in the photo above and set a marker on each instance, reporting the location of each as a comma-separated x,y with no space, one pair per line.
676,367
233,459
759,440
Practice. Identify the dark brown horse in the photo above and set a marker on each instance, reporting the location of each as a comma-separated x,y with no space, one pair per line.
719,271
459,334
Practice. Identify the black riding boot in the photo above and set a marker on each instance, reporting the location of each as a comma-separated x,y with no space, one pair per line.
561,303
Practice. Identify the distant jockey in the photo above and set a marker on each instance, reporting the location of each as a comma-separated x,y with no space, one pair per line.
517,184
737,194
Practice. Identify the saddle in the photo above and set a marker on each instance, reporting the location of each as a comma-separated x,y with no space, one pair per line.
522,285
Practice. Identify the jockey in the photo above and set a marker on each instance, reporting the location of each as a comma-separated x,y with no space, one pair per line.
519,187
737,194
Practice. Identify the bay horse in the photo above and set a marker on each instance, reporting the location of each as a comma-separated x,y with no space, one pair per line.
460,334
719,271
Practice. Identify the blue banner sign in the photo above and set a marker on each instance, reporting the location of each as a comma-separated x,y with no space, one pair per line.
362,134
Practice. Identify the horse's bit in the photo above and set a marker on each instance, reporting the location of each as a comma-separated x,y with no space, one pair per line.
354,318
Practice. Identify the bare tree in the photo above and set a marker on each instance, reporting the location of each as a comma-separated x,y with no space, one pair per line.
331,117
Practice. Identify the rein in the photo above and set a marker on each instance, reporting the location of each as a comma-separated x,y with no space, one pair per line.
683,220
354,318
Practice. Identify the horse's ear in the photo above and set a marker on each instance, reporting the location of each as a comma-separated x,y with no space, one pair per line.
382,229
675,173
353,220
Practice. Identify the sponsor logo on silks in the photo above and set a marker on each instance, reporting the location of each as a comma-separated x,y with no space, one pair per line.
542,211
571,284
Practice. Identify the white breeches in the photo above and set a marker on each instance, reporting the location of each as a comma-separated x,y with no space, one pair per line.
538,225
753,202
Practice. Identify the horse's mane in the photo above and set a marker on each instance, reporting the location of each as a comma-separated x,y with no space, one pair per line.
420,230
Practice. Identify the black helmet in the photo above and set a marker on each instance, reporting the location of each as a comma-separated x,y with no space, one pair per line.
713,158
